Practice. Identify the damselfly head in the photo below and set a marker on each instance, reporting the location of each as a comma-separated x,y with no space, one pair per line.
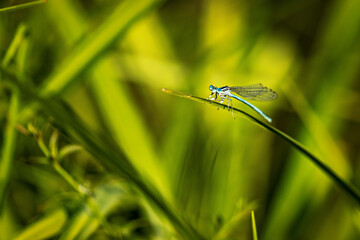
212,88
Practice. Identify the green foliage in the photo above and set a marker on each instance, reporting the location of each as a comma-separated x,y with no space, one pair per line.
17,7
90,147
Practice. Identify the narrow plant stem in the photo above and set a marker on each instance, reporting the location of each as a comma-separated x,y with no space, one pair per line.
42,145
227,230
315,126
22,6
80,189
10,134
85,194
7,151
15,44
53,146
348,187
253,224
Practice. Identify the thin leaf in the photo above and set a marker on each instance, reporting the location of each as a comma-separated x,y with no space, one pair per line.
69,149
22,6
53,143
86,52
15,44
347,187
46,227
253,224
10,134
232,227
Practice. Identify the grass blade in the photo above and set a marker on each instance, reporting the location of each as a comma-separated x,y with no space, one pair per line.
87,51
126,13
347,187
22,6
253,224
46,227
8,146
233,226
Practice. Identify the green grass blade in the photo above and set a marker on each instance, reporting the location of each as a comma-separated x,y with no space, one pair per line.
8,146
86,52
109,93
22,6
315,125
45,227
347,187
253,224
15,44
234,226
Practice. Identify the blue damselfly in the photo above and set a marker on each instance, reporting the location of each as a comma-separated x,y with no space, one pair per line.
256,92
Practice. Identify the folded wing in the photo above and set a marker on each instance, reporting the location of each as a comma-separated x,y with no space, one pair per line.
256,92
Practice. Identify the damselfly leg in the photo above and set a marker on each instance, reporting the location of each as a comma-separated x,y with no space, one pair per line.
225,96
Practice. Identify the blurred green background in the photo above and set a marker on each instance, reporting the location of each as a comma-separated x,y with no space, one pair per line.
103,153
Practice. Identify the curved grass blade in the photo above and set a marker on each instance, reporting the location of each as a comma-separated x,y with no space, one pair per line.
347,187
46,227
92,47
253,224
22,6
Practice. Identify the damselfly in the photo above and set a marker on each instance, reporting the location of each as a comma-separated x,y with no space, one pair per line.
256,92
